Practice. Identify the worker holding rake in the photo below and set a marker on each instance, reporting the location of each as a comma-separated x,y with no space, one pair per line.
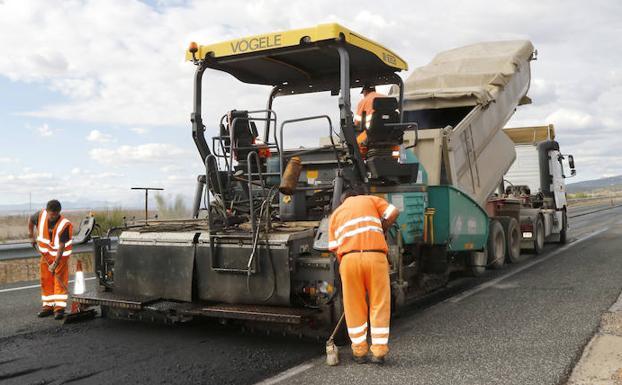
356,236
53,240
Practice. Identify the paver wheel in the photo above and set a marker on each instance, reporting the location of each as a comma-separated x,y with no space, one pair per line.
477,261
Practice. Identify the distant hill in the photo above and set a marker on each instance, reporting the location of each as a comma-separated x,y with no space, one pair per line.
610,183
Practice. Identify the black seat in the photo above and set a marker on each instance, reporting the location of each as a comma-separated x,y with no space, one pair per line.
385,113
244,133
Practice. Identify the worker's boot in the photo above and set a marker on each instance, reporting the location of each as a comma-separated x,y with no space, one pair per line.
379,360
45,312
59,314
359,359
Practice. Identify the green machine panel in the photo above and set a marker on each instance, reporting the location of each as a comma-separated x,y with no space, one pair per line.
411,201
458,221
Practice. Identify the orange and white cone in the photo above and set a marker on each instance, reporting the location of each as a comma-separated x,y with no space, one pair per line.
78,286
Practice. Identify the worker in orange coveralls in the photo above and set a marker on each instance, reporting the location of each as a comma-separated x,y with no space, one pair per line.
356,235
53,241
364,111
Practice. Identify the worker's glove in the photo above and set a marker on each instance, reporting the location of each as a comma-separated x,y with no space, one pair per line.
52,267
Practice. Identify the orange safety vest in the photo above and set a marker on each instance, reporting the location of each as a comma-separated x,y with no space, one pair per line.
357,225
366,105
48,246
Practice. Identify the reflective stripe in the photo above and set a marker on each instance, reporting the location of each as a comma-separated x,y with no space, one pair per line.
69,242
42,221
46,297
332,245
55,253
58,296
357,117
61,228
388,212
43,249
61,304
358,329
43,240
48,303
358,231
358,340
379,340
379,330
355,221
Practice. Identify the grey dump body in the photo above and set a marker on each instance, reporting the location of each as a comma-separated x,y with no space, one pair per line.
462,100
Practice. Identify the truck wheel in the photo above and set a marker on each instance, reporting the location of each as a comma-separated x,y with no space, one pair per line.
563,235
512,239
538,234
496,245
477,262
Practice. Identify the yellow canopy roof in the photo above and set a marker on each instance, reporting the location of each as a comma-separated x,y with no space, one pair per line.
302,60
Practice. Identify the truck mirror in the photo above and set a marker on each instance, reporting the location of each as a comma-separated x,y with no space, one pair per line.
571,163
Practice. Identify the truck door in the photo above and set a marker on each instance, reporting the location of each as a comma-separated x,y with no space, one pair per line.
558,187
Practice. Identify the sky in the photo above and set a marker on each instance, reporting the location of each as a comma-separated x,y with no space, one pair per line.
95,96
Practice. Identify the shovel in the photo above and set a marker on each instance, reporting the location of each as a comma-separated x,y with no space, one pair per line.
332,352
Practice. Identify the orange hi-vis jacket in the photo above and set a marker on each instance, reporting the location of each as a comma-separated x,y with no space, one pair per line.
357,225
48,246
366,105
54,285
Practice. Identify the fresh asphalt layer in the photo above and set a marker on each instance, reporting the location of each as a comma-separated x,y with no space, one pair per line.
528,328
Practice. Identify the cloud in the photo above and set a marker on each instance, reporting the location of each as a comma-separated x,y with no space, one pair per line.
131,72
144,153
45,130
139,130
98,136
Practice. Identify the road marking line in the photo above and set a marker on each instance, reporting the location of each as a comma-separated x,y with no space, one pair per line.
286,374
488,284
34,286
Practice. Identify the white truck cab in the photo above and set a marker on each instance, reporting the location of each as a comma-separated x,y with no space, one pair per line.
537,176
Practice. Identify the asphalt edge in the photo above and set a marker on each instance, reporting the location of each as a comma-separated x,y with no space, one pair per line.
590,367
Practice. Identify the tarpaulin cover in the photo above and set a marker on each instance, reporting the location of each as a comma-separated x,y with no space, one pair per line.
466,76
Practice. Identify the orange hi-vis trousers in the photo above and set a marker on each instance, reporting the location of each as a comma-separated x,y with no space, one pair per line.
53,294
366,276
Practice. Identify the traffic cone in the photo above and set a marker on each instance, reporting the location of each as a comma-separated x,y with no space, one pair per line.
79,312
78,287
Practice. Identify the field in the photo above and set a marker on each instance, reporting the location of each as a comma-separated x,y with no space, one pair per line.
14,228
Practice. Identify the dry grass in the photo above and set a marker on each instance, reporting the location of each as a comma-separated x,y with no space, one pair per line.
14,228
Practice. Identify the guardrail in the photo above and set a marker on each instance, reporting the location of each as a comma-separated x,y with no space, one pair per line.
24,250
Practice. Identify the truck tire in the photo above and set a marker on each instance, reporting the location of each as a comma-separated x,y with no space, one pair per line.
512,239
477,261
496,245
563,234
538,236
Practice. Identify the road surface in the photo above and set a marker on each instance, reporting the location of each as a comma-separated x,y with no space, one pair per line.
524,324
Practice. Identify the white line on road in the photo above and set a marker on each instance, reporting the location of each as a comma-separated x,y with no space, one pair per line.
488,284
34,286
287,374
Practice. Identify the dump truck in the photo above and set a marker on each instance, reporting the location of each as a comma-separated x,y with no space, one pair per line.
255,251
537,179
